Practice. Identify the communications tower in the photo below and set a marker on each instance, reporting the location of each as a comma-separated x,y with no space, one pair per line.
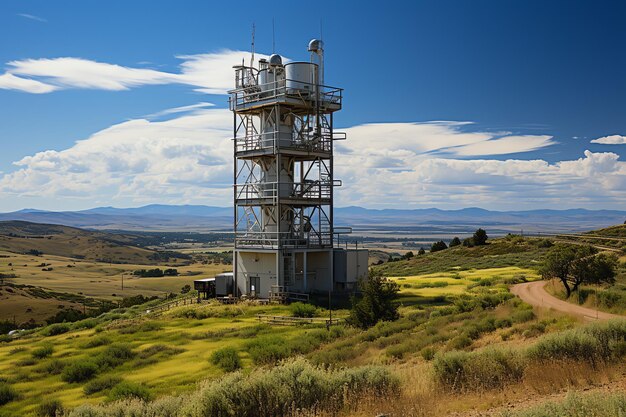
283,177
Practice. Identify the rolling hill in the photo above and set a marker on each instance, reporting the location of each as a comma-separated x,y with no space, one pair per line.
51,239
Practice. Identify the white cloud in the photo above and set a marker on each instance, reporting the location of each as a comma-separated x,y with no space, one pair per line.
611,140
32,17
188,159
181,109
390,141
9,81
208,73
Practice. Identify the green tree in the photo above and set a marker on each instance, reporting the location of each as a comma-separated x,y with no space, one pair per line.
421,251
468,242
480,237
186,288
378,302
408,255
455,242
437,246
574,265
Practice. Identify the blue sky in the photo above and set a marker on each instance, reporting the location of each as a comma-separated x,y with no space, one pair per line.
524,87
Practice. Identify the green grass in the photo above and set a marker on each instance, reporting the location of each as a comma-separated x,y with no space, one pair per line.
521,253
577,405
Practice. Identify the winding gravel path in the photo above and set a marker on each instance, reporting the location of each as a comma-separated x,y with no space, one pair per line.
535,294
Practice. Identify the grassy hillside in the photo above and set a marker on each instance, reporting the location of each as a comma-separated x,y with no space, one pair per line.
504,252
70,242
463,345
618,231
67,282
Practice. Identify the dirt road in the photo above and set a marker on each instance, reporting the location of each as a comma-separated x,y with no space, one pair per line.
534,294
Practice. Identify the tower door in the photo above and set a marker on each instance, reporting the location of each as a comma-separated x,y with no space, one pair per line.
254,286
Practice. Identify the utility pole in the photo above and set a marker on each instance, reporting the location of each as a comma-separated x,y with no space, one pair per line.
330,309
122,281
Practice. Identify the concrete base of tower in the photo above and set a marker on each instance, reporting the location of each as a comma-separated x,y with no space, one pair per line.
257,273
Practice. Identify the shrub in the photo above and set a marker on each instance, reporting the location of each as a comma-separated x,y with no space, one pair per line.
378,302
56,329
7,393
438,246
126,389
480,237
159,349
226,358
54,367
96,341
43,352
522,316
428,353
460,342
79,371
50,408
101,384
114,355
490,368
276,391
455,242
303,310
577,404
593,343
268,349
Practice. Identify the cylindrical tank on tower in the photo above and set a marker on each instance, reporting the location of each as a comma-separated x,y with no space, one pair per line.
300,76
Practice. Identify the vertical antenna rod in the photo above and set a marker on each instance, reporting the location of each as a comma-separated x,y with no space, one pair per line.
252,57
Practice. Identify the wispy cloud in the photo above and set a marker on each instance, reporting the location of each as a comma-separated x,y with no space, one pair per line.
611,140
181,109
208,73
32,17
9,81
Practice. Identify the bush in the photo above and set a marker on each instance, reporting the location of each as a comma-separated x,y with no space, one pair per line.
79,371
378,302
96,342
276,391
523,316
101,384
268,349
43,352
577,404
56,329
593,343
7,393
126,389
226,358
50,408
303,310
480,237
455,242
114,355
54,367
438,246
460,342
490,368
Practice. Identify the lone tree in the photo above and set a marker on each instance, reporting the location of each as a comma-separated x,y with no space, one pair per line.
480,237
421,251
455,242
574,265
437,246
377,303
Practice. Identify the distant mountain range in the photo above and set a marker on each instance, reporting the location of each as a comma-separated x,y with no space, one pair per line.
201,218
